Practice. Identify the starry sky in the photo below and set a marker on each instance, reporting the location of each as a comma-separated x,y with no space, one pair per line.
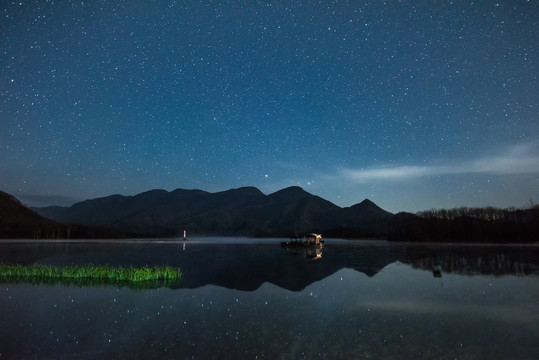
412,104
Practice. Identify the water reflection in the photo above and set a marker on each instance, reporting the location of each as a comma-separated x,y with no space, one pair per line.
369,300
400,313
90,282
437,271
247,266
313,253
476,260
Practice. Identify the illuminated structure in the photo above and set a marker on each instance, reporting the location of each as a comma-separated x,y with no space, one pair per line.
310,240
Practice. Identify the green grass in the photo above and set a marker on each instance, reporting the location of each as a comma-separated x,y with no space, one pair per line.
88,274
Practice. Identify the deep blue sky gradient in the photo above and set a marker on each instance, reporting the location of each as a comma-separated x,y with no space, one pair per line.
411,104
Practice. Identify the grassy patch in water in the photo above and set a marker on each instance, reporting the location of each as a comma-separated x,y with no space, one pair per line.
138,277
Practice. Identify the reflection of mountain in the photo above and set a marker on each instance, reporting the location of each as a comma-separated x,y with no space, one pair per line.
247,266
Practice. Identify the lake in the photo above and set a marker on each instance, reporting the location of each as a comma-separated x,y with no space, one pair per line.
251,299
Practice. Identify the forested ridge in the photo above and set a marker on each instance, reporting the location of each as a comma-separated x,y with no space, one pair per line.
464,224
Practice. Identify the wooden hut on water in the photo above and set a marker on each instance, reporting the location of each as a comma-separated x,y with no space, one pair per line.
313,239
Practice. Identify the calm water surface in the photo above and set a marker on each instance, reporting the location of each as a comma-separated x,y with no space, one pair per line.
243,298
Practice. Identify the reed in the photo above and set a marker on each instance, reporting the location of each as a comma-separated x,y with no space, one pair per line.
90,271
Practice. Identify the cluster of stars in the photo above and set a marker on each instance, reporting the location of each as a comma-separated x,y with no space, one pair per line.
128,97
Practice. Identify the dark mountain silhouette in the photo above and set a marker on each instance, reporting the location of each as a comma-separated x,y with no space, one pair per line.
295,211
240,212
365,219
248,212
17,221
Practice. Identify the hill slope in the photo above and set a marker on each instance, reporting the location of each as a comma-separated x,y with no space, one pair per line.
240,212
19,222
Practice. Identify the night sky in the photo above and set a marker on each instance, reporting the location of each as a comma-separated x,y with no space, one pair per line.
412,104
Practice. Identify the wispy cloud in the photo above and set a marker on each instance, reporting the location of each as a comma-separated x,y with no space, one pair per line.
521,159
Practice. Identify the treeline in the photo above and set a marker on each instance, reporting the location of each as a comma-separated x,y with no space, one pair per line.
489,213
464,224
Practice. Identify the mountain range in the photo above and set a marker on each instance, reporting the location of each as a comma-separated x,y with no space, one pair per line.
237,212
248,212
